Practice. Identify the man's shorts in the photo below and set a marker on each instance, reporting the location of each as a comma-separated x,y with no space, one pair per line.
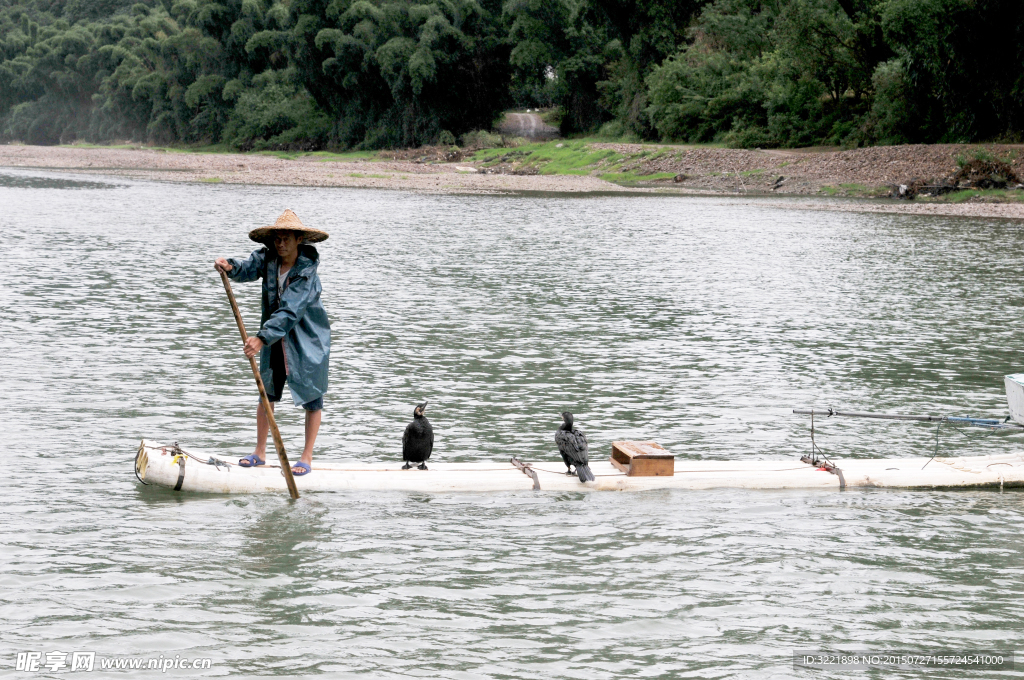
281,375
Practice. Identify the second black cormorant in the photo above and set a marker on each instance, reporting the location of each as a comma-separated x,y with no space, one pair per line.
418,440
572,444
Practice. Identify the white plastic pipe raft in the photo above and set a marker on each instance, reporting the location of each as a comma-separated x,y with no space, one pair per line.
192,471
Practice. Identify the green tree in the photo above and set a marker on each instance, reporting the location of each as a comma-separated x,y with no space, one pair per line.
375,73
397,73
959,75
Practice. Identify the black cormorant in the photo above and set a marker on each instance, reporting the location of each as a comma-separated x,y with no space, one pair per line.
418,440
572,444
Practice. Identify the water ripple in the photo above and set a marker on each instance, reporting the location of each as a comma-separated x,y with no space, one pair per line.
696,322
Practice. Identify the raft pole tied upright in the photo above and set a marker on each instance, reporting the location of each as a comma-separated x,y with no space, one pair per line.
823,463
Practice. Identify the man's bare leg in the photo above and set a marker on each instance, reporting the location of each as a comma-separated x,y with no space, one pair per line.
312,429
262,428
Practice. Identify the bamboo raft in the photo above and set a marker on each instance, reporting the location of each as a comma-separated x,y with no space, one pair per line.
632,466
173,468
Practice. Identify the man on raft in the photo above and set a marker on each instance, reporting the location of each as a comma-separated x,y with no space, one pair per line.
294,341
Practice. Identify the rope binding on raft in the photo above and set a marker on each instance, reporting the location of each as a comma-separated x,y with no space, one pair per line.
527,470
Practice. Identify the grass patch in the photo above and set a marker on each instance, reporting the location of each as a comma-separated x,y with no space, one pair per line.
340,156
86,145
211,180
853,189
579,157
209,148
283,155
324,156
561,157
199,148
985,156
985,195
691,145
633,179
205,148
321,156
749,173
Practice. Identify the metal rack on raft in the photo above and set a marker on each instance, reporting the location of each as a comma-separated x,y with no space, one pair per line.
821,461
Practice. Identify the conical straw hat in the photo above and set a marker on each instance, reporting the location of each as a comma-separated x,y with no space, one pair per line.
288,220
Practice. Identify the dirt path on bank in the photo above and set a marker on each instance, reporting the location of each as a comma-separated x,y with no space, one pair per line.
528,125
714,172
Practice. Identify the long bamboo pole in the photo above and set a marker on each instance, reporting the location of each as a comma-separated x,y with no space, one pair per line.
286,467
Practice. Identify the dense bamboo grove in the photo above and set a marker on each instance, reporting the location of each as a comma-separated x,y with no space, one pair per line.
384,73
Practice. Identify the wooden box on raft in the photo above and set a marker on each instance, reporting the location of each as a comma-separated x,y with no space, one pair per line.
643,459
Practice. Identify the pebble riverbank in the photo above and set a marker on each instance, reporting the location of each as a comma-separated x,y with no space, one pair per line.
709,171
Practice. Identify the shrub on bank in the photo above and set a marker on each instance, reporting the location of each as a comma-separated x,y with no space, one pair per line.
480,139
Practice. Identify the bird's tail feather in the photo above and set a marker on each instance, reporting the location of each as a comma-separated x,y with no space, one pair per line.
584,472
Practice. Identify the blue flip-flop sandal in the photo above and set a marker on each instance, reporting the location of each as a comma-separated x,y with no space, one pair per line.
251,461
306,469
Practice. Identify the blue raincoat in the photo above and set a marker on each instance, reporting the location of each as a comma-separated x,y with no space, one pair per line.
297,317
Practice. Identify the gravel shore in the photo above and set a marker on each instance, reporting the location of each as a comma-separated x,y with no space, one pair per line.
807,171
708,171
174,166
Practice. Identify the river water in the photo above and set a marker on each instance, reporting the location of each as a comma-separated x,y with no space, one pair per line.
696,322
